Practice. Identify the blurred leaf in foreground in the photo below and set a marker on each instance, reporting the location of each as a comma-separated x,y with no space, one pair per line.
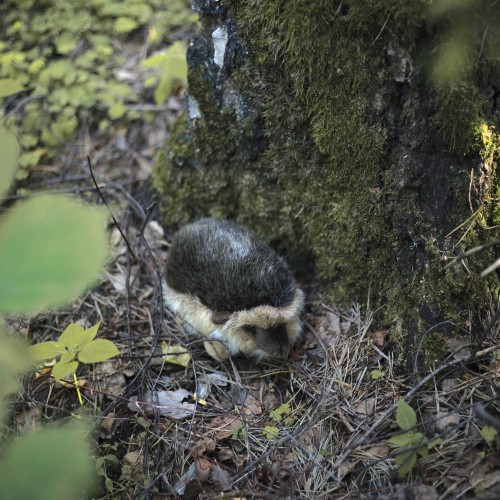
51,249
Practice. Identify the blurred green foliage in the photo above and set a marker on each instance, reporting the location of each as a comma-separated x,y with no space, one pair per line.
74,345
53,464
464,57
58,60
172,66
51,248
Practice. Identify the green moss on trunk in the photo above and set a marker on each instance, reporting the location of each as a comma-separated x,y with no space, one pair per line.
355,164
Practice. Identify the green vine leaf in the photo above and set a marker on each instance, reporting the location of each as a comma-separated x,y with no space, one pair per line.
125,25
9,86
173,66
71,335
45,350
401,440
97,351
406,417
405,462
61,370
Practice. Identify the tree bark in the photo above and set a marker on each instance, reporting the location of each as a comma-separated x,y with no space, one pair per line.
334,130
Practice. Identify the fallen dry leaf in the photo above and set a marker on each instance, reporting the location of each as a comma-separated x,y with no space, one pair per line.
189,475
345,467
444,420
203,446
28,421
378,337
270,402
365,407
203,468
251,406
459,347
377,451
225,454
167,403
132,457
224,427
448,384
108,422
221,479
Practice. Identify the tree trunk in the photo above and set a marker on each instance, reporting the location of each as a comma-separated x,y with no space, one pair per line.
344,131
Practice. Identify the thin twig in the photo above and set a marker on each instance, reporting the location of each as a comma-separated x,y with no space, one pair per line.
110,212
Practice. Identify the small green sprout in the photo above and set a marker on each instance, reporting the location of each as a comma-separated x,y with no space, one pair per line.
74,346
411,443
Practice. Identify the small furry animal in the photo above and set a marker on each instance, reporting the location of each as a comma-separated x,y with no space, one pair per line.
231,287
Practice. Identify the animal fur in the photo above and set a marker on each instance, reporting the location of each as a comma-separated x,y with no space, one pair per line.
234,289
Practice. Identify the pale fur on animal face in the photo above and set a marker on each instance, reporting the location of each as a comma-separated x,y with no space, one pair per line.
231,287
234,335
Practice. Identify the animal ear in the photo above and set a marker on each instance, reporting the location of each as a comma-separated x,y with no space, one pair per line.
220,317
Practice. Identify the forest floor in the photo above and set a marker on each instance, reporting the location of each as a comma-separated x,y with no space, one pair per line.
327,423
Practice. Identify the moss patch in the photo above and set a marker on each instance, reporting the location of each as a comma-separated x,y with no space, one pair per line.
355,162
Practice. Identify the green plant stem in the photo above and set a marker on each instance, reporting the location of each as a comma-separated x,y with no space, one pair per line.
78,389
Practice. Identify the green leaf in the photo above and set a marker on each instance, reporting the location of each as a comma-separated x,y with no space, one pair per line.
176,354
36,66
64,127
14,359
237,431
450,63
489,433
109,485
434,442
278,413
97,351
8,162
125,24
405,416
31,158
377,374
53,247
271,432
89,335
54,464
402,440
65,43
67,357
423,451
173,64
405,461
117,111
28,140
45,350
9,86
61,370
150,82
75,337
71,335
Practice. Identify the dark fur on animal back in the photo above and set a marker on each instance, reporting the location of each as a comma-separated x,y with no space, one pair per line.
227,267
